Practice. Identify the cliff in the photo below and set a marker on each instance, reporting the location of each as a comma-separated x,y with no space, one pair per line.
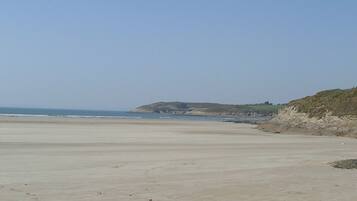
331,112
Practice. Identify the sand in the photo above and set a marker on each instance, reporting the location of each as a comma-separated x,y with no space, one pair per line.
53,159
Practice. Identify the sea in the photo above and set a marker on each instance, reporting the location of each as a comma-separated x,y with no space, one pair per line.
71,113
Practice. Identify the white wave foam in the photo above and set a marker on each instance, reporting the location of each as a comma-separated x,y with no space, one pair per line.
24,115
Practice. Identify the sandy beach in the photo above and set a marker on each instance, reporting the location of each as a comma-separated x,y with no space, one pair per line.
54,159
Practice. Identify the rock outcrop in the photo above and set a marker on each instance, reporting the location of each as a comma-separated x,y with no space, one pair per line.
289,119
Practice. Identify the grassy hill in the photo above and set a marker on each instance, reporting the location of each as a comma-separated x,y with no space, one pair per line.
263,109
337,101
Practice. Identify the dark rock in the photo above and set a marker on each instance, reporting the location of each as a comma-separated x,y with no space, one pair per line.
345,164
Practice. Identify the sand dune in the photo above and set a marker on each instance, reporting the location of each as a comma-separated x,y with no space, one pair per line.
53,159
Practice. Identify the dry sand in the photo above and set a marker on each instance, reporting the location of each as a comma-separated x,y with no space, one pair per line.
52,159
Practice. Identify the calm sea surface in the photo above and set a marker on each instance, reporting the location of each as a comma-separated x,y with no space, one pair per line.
36,112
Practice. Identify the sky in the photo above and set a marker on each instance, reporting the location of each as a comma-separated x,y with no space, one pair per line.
116,55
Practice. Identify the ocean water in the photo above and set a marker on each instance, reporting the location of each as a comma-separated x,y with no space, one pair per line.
67,113
36,112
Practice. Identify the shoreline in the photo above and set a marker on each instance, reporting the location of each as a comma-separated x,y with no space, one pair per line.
104,121
169,117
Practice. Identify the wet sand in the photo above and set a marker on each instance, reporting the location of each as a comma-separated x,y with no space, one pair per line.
53,159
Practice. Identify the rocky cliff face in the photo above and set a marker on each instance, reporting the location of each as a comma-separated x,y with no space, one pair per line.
289,119
329,112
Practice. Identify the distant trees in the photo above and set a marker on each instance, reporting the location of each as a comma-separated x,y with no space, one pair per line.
268,103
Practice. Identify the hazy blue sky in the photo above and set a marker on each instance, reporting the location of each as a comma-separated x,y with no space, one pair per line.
120,54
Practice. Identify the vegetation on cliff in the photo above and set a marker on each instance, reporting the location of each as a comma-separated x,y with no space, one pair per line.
337,102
